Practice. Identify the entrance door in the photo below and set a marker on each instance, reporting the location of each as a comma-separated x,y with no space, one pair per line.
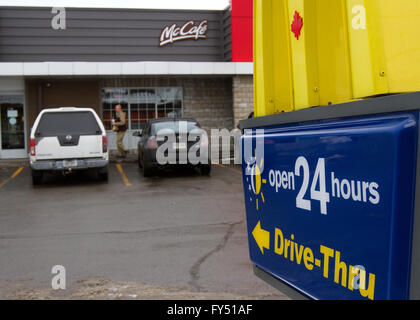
12,126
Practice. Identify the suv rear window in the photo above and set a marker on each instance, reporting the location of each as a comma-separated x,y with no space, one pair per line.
63,123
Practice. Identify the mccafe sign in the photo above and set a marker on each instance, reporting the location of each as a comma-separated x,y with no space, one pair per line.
189,30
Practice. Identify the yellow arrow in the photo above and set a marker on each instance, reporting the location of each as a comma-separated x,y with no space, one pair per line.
262,237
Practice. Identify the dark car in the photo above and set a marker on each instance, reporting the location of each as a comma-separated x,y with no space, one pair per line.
178,141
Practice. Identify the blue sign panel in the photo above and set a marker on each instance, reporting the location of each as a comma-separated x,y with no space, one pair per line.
330,204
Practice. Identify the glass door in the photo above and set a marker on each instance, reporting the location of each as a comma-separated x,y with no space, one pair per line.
12,126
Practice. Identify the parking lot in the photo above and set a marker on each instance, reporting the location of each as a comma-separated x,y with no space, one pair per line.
179,235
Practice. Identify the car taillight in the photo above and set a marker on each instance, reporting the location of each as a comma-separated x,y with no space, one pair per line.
204,141
152,143
104,144
32,147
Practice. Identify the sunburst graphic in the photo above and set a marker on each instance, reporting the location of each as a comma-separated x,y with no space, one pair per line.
255,181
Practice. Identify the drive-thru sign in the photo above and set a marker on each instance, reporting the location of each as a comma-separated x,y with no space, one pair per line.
331,171
330,203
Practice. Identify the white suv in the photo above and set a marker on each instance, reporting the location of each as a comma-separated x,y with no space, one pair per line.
67,139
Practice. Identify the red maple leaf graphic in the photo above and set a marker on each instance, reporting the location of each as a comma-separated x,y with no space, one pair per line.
297,25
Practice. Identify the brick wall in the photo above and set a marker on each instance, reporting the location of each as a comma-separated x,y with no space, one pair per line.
209,101
243,97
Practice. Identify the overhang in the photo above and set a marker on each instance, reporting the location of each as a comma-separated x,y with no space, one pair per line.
29,69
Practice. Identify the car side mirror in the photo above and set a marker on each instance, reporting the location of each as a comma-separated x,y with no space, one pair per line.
138,133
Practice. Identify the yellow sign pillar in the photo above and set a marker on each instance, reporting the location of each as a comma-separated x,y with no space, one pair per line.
320,52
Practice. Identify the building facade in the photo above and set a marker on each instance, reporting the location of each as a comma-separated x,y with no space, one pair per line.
155,63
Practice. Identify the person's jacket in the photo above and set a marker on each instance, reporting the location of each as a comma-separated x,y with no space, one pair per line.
120,121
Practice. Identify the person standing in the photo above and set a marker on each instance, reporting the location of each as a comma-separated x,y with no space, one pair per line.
120,127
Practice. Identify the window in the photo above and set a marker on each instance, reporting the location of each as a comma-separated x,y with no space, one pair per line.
142,107
62,123
141,104
169,102
110,98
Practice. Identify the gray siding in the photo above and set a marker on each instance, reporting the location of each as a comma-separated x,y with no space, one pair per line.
227,38
26,35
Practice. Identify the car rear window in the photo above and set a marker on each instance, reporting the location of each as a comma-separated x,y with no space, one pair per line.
62,123
175,125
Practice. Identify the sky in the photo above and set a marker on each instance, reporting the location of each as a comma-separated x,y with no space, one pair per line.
143,4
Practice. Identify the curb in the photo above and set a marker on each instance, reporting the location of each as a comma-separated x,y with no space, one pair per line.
6,163
122,160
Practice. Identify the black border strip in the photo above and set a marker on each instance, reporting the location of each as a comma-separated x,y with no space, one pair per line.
384,104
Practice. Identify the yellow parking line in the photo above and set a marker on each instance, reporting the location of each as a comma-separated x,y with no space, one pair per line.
123,176
4,182
14,175
229,168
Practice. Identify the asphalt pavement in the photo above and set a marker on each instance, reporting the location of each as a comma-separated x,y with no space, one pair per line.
176,236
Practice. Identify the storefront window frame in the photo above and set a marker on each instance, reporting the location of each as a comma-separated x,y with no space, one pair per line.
126,103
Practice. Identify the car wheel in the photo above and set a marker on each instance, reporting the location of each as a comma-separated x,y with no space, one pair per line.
147,172
139,162
37,177
103,174
205,169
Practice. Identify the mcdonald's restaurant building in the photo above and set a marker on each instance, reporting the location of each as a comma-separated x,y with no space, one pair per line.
155,63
